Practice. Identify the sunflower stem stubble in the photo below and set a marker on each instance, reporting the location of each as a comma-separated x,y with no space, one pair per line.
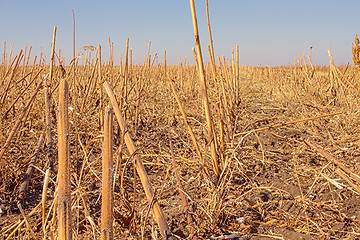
107,203
64,196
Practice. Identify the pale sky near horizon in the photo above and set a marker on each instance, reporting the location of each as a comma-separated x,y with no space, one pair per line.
267,32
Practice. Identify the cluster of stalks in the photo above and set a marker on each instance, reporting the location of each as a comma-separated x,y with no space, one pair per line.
116,124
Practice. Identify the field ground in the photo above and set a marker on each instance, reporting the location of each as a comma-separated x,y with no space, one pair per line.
283,182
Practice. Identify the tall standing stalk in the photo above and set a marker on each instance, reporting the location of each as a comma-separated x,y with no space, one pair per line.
124,82
211,52
164,63
28,56
64,197
23,63
100,82
107,204
237,93
126,58
355,49
52,55
3,62
49,154
210,125
73,33
74,52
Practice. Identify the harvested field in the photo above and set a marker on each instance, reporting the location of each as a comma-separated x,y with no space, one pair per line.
93,150
285,182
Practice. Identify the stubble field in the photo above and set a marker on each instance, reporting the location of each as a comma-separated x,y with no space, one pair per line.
287,143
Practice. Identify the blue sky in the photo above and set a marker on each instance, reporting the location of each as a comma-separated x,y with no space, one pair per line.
267,32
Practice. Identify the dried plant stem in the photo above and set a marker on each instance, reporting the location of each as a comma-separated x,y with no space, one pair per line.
289,101
21,94
213,67
226,101
222,129
356,52
19,133
343,175
335,161
210,35
126,64
196,145
64,196
49,154
3,61
164,63
301,193
182,195
30,169
9,67
10,79
148,55
227,83
107,204
138,109
25,218
100,82
11,51
43,199
23,221
111,60
124,81
49,142
237,79
300,100
73,34
164,228
18,122
52,55
211,47
210,124
88,90
195,59
287,123
53,209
